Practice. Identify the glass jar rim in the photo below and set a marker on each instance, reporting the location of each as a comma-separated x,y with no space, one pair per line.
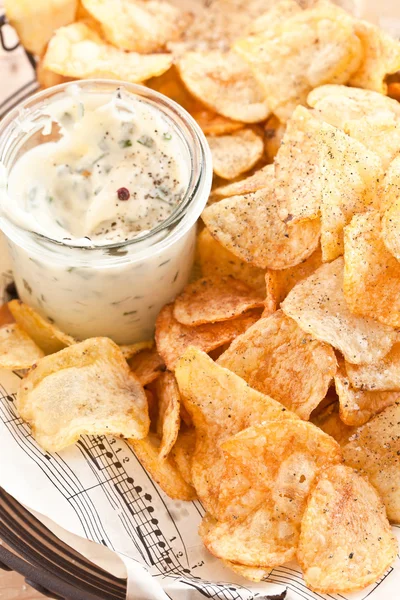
200,163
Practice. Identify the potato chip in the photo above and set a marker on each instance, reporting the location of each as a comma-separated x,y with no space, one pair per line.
17,350
374,450
210,300
5,315
390,203
47,78
169,420
381,57
235,154
45,334
36,21
371,274
250,184
137,25
381,375
329,421
183,451
163,472
220,404
279,283
172,338
358,406
217,261
274,131
318,306
346,541
78,51
307,49
85,389
249,227
224,83
394,90
129,350
147,365
255,574
277,358
278,13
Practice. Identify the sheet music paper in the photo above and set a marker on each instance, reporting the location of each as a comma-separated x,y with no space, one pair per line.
97,490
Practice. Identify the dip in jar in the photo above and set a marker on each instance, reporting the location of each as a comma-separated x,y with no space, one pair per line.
101,187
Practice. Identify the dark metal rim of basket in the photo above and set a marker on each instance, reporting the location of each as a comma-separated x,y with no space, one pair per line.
48,565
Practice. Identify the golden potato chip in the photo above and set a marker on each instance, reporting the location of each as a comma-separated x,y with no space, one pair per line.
5,315
224,83
137,25
220,404
318,306
85,389
78,51
374,449
371,274
147,365
367,116
172,338
235,154
217,261
163,472
274,131
183,451
250,184
249,226
277,358
210,300
169,420
47,78
381,57
329,421
278,13
129,350
17,349
35,22
279,283
46,335
390,203
255,574
307,49
394,90
381,375
346,541
389,189
358,406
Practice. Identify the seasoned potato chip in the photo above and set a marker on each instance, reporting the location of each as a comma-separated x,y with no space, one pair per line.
213,299
381,57
358,406
224,83
78,51
277,358
250,184
137,25
279,283
346,541
307,49
318,305
46,335
84,389
278,13
371,274
220,404
5,315
17,349
274,463
183,451
249,227
129,350
35,22
163,472
274,131
329,421
374,449
217,261
147,365
172,338
169,420
390,203
389,189
255,574
235,154
381,375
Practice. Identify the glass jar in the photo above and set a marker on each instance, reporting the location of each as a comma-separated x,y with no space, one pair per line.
113,290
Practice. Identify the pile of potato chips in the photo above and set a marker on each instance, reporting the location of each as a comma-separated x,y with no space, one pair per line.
272,391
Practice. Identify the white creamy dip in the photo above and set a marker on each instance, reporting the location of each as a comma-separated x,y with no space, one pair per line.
112,178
